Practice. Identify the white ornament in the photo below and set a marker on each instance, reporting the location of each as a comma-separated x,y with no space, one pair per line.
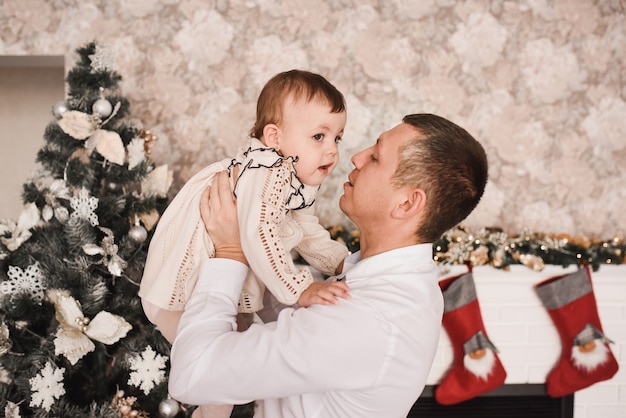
56,190
5,341
24,281
11,410
169,408
149,370
59,109
109,144
84,207
20,231
47,386
102,59
136,152
157,182
137,234
102,107
74,332
115,264
77,124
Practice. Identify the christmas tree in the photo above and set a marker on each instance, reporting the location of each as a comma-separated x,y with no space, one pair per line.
74,341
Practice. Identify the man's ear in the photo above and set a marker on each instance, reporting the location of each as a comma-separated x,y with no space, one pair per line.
271,136
414,202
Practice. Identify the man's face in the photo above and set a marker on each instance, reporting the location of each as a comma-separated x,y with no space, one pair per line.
368,195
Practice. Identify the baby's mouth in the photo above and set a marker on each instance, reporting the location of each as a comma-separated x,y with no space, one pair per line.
325,167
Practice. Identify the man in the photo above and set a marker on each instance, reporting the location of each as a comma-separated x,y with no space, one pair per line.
367,355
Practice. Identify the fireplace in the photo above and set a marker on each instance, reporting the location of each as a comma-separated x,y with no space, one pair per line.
510,401
529,347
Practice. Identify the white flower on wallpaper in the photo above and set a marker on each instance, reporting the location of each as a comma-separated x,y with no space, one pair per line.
24,22
77,21
605,125
140,8
269,55
479,41
441,94
382,52
543,217
517,138
551,72
204,40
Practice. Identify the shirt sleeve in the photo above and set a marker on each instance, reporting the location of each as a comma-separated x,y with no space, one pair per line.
261,196
317,247
305,350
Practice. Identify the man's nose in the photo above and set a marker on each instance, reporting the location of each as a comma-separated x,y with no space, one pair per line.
357,159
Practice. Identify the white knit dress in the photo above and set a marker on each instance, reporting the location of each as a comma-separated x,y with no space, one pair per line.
276,216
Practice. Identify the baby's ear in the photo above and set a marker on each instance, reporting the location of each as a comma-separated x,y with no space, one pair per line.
271,136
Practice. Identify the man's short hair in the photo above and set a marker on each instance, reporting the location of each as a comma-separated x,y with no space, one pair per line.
450,166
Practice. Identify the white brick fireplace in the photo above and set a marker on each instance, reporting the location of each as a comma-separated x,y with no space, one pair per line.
528,343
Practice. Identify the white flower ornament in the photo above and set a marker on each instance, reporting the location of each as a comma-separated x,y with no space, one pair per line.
82,126
115,264
73,339
20,231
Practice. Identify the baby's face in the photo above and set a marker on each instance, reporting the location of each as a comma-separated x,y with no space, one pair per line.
311,132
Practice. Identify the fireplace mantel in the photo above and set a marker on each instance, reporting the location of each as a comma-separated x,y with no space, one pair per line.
528,342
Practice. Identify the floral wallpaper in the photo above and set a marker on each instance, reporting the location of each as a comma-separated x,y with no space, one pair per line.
541,83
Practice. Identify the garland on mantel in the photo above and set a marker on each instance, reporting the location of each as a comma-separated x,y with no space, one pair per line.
493,247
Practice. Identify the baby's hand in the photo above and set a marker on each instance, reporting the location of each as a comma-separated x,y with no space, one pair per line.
323,293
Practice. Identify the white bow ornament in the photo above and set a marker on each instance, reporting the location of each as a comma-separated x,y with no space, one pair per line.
75,332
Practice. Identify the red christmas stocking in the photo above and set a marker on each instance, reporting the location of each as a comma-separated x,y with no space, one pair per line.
477,368
585,356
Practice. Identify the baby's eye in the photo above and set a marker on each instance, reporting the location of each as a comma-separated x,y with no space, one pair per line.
318,137
338,139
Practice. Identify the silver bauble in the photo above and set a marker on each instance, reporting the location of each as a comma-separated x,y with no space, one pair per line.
168,408
102,107
137,234
59,109
112,186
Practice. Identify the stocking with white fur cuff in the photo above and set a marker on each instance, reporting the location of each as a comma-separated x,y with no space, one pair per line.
476,368
585,356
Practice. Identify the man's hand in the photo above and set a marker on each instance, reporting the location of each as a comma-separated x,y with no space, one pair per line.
323,293
219,214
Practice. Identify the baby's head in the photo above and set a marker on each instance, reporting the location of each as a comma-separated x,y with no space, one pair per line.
301,114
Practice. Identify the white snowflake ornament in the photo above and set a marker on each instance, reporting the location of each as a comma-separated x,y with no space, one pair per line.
84,207
47,386
102,59
149,370
24,281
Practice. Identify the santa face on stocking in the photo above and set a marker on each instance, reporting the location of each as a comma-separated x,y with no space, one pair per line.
477,368
585,357
480,357
589,350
